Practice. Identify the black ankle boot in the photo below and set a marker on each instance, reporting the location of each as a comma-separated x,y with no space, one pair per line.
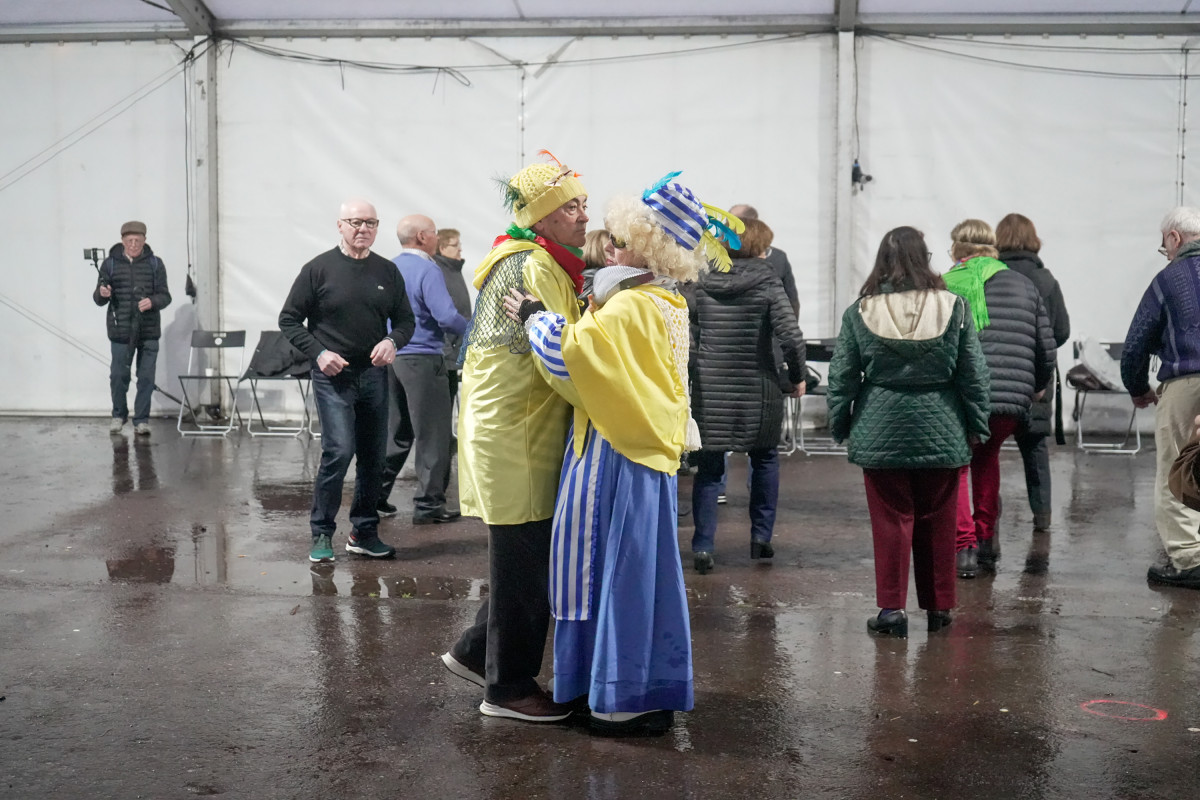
938,620
965,563
889,623
761,550
988,553
703,562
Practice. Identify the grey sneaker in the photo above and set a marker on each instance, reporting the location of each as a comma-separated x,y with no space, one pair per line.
115,425
142,429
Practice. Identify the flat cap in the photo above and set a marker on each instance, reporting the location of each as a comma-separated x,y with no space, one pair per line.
133,226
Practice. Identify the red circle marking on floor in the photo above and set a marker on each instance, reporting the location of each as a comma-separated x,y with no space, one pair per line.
1159,714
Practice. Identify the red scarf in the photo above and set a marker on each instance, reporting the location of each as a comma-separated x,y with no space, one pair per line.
569,262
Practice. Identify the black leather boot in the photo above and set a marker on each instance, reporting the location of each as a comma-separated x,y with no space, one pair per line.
988,553
761,550
965,563
889,623
938,620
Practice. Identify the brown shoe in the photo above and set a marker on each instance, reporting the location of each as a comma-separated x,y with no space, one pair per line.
537,707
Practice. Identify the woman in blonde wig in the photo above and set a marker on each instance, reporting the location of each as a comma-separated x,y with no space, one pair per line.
622,637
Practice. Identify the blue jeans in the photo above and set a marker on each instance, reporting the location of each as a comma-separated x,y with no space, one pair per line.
121,369
352,407
764,495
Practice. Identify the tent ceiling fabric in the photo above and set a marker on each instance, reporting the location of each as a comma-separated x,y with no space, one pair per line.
48,20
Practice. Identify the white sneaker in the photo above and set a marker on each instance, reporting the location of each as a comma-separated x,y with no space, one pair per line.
115,425
142,429
463,671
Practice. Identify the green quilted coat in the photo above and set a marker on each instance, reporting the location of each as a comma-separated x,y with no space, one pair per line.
908,383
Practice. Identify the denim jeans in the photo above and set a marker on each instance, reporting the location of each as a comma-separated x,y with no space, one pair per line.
120,371
764,495
352,407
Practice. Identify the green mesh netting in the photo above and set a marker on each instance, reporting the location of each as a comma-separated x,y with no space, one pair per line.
491,328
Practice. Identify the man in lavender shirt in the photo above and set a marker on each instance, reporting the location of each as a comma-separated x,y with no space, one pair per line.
419,415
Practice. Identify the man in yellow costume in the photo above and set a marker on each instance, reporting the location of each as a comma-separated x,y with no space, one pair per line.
511,438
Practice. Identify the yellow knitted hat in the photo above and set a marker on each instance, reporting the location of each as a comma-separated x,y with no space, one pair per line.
541,189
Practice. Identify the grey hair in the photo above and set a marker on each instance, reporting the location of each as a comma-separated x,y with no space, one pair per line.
1184,219
408,228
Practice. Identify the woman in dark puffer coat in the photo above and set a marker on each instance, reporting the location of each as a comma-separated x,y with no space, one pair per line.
1019,347
737,396
908,385
1018,243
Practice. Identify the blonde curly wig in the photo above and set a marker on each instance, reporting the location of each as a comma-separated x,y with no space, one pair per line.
646,245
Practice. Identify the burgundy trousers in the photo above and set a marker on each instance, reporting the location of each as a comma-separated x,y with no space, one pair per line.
984,485
913,510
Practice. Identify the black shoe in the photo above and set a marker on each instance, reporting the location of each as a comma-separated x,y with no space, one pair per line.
1170,575
647,723
386,509
703,562
437,517
938,620
988,553
966,563
761,550
1041,521
889,623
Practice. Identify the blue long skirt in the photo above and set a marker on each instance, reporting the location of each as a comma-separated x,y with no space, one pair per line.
634,653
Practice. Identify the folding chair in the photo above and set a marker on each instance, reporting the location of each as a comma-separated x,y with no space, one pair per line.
1114,350
821,352
275,359
210,344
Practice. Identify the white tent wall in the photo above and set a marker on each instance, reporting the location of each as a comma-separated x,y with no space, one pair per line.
296,139
131,167
1090,159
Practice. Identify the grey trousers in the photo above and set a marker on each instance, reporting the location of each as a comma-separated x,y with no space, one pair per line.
419,423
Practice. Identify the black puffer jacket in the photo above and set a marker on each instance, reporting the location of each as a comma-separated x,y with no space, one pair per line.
737,399
1030,265
130,282
1018,343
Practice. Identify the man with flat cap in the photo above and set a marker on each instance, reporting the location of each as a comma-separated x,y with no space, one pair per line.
133,284
358,316
511,439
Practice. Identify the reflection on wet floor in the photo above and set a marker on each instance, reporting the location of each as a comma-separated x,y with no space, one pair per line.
166,636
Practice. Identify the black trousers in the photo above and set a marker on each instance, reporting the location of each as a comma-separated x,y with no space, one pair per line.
508,639
1036,456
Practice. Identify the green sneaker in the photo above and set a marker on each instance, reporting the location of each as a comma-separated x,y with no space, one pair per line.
322,550
369,546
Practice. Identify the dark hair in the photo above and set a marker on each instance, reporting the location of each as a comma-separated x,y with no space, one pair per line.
902,262
1016,232
755,240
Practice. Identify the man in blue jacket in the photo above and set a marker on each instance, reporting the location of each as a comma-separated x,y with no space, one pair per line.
133,284
1167,325
419,411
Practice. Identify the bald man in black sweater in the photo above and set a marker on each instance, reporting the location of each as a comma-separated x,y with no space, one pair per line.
358,316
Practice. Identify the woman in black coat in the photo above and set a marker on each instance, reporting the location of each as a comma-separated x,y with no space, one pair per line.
1018,243
737,392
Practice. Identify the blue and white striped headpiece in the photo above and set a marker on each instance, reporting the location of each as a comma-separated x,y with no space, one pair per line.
691,223
677,211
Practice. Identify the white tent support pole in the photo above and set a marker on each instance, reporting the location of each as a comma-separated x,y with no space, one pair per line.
204,200
195,14
843,231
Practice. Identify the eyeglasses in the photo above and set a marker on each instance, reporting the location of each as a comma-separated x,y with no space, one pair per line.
617,243
371,224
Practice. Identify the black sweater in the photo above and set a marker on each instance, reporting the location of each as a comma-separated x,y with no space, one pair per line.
347,303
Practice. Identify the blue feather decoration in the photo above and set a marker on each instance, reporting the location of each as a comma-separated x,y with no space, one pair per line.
723,231
663,181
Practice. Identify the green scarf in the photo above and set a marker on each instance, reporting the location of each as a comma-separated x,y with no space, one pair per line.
966,280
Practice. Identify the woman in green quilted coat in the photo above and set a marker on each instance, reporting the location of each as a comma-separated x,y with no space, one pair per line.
908,386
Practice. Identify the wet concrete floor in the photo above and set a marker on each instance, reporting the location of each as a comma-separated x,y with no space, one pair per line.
163,636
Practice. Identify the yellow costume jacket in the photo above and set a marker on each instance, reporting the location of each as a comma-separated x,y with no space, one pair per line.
512,427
